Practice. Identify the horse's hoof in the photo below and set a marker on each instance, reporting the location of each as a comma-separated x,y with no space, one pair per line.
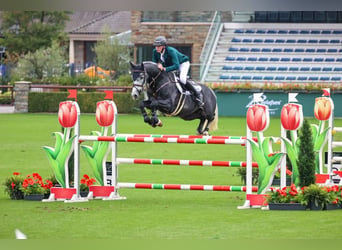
206,133
160,123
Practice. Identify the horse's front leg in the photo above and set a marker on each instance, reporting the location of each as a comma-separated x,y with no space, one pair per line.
142,106
154,118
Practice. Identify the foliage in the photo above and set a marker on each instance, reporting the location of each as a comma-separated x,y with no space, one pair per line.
112,55
320,196
28,31
255,175
86,182
124,80
5,98
13,185
40,64
34,184
306,156
48,102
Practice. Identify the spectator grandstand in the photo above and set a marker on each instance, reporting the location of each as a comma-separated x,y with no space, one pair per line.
277,52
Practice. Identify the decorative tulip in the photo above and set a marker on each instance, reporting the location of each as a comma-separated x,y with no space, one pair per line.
258,121
257,117
97,154
292,119
322,111
59,156
104,113
291,116
67,114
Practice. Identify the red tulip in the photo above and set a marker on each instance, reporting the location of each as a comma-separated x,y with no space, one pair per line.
67,114
291,116
322,108
257,117
104,113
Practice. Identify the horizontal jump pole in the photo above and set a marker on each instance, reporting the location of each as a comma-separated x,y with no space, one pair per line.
184,187
188,136
336,144
119,138
337,129
185,162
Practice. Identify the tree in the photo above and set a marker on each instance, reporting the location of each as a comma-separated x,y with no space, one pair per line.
112,55
306,156
27,31
43,63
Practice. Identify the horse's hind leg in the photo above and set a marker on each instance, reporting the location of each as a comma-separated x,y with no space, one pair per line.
202,128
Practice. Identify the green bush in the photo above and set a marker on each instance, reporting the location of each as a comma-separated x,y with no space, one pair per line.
49,102
5,98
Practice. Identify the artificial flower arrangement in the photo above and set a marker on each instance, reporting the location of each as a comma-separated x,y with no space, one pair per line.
12,186
34,184
86,182
312,195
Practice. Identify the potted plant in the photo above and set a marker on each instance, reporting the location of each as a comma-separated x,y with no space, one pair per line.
318,197
34,188
287,198
86,182
12,186
313,197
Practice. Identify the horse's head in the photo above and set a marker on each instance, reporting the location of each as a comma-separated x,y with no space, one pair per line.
138,77
142,73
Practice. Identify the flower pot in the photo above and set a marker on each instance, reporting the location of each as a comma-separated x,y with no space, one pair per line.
63,193
17,196
84,193
34,197
101,191
286,206
257,199
332,206
313,207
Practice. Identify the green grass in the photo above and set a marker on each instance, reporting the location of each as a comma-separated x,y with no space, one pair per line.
147,214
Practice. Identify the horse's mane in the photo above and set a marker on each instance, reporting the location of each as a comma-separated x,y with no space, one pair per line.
151,66
149,63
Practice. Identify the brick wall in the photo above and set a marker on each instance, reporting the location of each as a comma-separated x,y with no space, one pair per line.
193,34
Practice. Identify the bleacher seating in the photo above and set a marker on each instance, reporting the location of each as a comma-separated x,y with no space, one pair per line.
254,53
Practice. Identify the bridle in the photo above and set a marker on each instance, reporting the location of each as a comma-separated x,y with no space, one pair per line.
151,84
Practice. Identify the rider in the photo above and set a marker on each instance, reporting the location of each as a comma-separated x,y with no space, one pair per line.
169,59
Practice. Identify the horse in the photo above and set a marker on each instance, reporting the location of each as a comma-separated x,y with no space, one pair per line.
162,93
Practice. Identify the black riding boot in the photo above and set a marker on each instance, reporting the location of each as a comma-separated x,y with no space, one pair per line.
198,94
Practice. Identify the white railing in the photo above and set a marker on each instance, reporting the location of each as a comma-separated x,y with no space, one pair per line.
209,44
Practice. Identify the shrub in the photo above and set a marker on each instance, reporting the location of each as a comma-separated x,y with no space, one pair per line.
306,156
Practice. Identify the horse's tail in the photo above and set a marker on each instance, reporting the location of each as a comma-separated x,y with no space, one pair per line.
214,123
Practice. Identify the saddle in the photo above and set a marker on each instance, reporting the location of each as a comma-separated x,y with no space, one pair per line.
174,77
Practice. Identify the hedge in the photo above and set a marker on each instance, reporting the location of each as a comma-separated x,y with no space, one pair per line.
49,102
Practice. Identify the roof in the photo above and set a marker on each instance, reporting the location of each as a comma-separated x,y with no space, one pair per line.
94,22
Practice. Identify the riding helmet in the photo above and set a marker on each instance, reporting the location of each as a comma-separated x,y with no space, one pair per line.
160,41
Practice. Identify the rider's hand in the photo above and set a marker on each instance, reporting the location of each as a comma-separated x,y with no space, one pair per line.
160,66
